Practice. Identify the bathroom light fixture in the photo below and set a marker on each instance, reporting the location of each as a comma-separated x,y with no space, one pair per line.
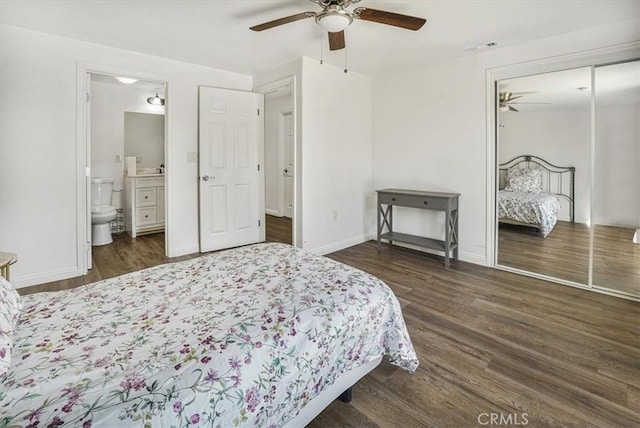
156,101
334,20
126,80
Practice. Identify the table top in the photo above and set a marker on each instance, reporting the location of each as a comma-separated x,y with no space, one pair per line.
7,259
419,193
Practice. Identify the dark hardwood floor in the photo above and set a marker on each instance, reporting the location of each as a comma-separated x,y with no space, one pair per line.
278,229
564,253
489,342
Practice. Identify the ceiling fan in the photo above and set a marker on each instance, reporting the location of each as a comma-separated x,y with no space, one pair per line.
335,17
506,100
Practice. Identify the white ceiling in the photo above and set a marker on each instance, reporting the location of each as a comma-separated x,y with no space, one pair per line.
216,33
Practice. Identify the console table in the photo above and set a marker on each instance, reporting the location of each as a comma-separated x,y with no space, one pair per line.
437,201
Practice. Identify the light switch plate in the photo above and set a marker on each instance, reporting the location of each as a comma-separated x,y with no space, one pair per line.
192,156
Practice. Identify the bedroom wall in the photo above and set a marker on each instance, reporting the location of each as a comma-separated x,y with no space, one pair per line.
273,107
38,166
338,199
333,152
430,128
561,137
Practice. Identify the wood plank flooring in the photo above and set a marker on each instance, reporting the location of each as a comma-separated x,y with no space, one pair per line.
564,254
278,229
489,342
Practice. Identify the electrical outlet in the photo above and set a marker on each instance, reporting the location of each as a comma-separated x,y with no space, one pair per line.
334,215
118,158
138,159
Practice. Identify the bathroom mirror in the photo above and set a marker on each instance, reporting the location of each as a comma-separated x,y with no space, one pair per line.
144,138
544,180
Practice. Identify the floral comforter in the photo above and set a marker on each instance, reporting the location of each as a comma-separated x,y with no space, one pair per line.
244,337
538,209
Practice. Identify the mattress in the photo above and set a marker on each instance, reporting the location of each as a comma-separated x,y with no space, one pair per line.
245,337
537,209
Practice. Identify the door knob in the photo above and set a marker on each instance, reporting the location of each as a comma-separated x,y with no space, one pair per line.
206,178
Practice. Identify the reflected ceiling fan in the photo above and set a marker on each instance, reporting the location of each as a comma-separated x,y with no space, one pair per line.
507,99
335,17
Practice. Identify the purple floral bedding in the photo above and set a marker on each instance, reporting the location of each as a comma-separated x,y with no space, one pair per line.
244,337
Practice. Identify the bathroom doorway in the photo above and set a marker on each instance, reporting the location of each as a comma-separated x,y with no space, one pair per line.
279,161
125,147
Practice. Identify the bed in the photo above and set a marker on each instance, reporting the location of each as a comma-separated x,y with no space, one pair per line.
531,191
263,335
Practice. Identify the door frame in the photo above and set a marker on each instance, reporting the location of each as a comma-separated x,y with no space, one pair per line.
83,155
296,219
282,161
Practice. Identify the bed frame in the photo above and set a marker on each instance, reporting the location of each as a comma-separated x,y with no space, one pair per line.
559,180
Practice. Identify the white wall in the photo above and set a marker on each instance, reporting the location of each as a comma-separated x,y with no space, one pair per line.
338,199
430,128
273,107
109,102
559,136
38,165
333,154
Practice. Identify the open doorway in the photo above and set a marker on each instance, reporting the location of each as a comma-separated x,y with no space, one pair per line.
126,146
280,165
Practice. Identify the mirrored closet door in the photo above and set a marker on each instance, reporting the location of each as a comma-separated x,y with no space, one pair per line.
568,176
616,201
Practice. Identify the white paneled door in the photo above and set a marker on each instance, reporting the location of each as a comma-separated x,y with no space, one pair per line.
231,188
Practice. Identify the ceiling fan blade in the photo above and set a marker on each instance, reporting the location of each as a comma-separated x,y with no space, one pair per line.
390,18
281,21
336,41
513,109
509,99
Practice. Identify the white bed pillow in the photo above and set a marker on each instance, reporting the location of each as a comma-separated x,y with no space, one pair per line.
10,306
524,180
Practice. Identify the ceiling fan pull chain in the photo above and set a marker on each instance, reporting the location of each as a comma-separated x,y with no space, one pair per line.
345,59
321,45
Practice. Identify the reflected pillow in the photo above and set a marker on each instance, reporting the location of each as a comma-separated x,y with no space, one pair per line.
10,306
524,180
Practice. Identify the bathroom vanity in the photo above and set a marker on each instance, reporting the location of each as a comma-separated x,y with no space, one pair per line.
144,206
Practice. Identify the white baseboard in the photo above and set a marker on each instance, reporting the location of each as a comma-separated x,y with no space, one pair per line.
274,213
43,278
340,245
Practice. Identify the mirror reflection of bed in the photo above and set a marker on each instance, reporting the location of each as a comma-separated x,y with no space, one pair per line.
545,148
536,214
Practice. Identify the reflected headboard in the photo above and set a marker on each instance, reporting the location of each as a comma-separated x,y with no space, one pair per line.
559,180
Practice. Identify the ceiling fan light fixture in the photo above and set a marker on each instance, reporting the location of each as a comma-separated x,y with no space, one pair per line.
334,20
156,101
126,80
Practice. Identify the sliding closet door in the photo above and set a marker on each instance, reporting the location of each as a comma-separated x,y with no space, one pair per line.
544,129
616,201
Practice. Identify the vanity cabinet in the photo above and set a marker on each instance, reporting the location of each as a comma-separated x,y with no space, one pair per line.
144,207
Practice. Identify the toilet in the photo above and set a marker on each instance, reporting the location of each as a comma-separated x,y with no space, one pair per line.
101,210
